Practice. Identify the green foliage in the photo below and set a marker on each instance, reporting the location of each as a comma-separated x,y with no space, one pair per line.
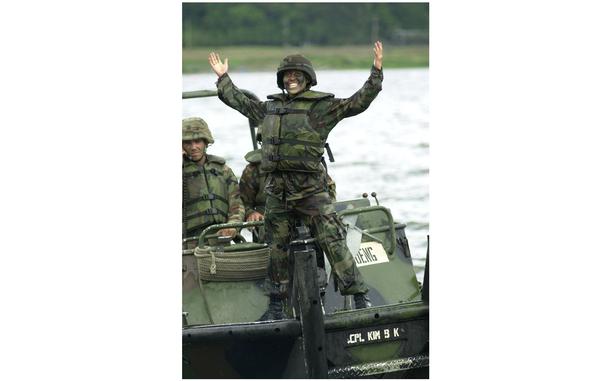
267,58
302,24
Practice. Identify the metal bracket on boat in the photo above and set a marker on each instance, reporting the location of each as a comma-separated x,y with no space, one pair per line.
184,316
347,217
364,232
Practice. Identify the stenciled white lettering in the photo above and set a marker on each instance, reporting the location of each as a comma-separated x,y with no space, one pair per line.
355,338
373,335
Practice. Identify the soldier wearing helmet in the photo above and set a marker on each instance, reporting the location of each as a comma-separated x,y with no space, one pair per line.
295,125
210,189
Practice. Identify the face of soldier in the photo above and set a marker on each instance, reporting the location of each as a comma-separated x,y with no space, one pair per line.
294,81
195,149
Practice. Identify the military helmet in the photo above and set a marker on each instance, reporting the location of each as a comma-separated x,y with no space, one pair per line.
296,62
196,128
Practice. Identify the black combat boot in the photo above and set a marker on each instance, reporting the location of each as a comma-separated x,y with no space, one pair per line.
361,301
275,311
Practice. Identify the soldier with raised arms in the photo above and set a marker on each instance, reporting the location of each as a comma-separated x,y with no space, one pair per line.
295,125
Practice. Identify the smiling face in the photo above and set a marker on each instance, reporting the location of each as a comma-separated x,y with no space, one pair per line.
195,148
294,81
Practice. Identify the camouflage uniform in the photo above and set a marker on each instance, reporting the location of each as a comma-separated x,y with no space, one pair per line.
294,130
210,190
252,186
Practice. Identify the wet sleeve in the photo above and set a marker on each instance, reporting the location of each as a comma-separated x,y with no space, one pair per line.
236,206
248,189
230,95
334,110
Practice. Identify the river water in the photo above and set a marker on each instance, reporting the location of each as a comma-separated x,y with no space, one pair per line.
385,149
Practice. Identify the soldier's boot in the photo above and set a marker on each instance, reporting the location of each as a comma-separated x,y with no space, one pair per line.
275,311
362,301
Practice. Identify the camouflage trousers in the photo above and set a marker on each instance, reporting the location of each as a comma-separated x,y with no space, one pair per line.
317,213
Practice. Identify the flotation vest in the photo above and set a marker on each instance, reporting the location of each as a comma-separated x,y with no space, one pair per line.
290,140
205,199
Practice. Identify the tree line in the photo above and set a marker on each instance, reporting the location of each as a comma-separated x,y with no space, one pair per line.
298,24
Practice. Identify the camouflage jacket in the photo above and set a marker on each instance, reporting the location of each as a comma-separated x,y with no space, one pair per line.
326,113
252,183
210,194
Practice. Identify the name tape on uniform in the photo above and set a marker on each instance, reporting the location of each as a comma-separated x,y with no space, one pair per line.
370,253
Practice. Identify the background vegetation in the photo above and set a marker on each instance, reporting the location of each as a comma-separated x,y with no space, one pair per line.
244,58
256,36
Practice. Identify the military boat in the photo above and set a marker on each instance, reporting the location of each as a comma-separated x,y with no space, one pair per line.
224,293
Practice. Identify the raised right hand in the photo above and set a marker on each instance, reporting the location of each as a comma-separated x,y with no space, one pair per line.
217,65
378,49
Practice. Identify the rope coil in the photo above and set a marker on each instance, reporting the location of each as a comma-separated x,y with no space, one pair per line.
215,264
